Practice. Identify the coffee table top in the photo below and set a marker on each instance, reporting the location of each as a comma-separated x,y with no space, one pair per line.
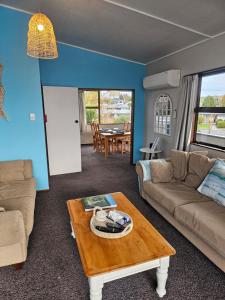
99,255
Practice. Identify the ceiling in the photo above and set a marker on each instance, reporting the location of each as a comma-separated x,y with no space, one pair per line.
137,30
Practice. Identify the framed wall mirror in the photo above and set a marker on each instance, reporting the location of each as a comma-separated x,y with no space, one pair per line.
163,115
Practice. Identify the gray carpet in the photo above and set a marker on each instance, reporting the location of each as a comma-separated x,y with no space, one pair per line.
53,269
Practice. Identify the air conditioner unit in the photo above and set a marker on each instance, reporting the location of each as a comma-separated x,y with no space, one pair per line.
167,79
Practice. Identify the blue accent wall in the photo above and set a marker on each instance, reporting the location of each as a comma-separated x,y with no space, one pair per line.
21,138
85,69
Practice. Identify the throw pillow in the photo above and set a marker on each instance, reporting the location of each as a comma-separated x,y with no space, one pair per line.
161,171
11,170
213,185
198,167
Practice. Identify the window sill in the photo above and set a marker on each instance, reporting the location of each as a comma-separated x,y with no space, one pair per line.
208,147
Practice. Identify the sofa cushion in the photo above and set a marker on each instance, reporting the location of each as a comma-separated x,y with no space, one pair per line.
13,242
179,160
161,171
214,183
28,169
17,189
171,195
20,195
11,170
207,220
198,168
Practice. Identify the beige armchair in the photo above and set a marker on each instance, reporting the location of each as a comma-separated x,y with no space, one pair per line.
17,201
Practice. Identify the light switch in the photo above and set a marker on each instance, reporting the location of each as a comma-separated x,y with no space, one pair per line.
32,117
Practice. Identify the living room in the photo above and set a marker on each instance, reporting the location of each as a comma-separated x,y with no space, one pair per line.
114,45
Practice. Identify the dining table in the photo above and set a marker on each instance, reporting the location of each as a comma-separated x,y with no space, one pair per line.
113,135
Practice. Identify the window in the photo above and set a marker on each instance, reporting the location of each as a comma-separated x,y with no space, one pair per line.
108,106
162,115
210,110
91,104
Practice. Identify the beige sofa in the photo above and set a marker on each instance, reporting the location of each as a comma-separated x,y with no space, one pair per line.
17,201
200,219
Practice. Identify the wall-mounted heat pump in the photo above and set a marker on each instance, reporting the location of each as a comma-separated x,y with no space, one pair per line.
167,79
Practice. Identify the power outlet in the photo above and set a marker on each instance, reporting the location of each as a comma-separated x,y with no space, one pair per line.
32,117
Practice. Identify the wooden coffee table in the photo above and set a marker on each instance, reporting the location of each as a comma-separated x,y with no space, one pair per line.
106,260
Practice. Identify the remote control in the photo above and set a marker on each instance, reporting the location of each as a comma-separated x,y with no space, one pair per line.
107,229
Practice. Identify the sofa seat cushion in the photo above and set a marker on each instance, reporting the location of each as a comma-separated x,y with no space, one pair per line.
171,195
13,242
20,195
207,220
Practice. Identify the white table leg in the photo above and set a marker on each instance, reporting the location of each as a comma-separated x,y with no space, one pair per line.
162,274
96,285
72,232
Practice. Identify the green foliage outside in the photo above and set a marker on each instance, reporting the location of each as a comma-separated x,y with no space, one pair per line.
212,101
122,119
91,98
203,126
220,123
201,119
91,116
222,101
209,101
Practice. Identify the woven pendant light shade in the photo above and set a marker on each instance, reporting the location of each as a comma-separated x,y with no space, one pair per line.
41,42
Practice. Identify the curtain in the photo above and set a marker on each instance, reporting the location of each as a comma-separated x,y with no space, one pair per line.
82,115
187,103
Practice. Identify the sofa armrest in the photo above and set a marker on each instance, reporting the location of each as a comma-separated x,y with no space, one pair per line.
143,171
2,209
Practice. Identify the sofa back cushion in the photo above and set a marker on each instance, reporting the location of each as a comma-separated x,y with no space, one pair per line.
198,167
179,160
28,169
213,185
15,170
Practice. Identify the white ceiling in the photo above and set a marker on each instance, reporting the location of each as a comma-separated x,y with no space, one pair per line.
138,30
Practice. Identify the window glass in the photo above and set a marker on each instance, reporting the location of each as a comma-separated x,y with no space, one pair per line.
213,91
90,98
115,106
92,115
210,114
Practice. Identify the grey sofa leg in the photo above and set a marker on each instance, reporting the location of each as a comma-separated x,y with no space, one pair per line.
18,266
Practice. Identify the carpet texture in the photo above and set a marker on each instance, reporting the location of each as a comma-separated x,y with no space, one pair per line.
53,269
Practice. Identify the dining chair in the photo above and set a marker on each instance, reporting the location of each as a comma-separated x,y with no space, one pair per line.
93,135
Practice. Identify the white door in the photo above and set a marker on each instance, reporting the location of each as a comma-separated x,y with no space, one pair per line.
62,129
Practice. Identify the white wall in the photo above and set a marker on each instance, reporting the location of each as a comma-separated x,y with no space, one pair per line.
206,56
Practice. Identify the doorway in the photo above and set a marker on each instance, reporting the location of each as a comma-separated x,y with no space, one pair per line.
111,109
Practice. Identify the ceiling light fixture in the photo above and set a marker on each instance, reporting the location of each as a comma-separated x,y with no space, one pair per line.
41,42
